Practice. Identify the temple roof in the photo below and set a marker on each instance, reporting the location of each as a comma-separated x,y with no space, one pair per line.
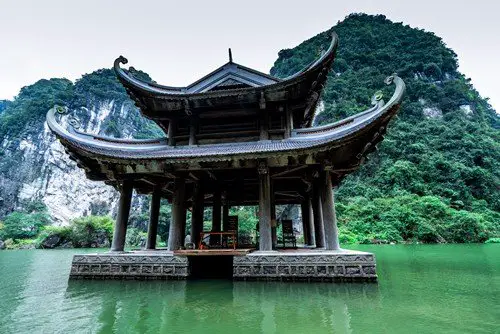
232,85
229,72
315,138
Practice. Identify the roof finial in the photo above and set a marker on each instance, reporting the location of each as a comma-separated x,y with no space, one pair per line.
230,56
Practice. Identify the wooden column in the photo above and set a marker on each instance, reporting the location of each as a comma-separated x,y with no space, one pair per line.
197,213
225,215
329,215
183,220
216,211
154,215
311,231
120,231
274,222
193,130
265,241
178,215
216,216
264,125
319,233
307,221
172,127
288,123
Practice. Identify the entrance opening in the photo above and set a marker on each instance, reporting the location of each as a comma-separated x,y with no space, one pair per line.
210,266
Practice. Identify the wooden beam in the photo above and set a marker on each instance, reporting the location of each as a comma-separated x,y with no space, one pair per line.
288,171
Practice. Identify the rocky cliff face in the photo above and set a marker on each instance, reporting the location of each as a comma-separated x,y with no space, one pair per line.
41,170
35,167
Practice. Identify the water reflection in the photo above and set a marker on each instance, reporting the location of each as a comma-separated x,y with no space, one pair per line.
285,307
131,306
216,305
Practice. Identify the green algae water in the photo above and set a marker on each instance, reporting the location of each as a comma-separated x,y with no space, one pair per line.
421,289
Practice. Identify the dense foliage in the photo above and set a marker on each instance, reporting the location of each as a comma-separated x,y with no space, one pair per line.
32,103
25,223
443,151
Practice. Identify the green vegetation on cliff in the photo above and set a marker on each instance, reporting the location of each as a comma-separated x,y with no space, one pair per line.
436,176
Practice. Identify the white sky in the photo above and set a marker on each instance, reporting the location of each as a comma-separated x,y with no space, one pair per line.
177,42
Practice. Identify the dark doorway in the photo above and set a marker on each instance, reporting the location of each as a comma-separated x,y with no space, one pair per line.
211,266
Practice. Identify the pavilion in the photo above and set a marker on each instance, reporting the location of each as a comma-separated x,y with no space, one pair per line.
234,137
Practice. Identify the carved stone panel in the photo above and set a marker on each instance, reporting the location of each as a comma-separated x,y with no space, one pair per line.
129,265
312,267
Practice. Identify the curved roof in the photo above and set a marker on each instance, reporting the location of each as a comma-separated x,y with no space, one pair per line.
230,70
315,138
232,86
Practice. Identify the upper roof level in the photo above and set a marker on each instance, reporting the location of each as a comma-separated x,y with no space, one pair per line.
232,87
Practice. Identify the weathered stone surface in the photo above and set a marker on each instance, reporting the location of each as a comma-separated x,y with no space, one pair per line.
2,244
297,266
314,266
130,266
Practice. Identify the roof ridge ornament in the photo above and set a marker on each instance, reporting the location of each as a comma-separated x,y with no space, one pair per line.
230,55
120,60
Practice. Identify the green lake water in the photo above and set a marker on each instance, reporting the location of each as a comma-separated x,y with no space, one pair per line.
421,289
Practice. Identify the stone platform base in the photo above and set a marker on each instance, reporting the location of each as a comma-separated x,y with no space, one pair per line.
306,265
130,265
289,265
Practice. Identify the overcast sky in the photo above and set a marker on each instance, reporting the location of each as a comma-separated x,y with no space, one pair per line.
177,42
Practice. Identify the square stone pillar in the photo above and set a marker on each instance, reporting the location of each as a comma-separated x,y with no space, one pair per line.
329,215
154,215
265,241
120,230
178,215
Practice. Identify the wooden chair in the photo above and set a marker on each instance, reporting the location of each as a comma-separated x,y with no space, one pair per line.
288,233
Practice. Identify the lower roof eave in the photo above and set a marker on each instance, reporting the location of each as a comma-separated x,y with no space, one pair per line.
366,126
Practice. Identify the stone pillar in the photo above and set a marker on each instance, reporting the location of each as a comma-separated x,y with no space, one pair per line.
307,221
225,216
216,211
329,215
265,242
154,214
178,215
288,123
183,228
216,216
319,233
274,222
122,218
311,231
197,213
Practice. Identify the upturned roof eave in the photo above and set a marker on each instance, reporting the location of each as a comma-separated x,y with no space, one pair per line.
317,138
